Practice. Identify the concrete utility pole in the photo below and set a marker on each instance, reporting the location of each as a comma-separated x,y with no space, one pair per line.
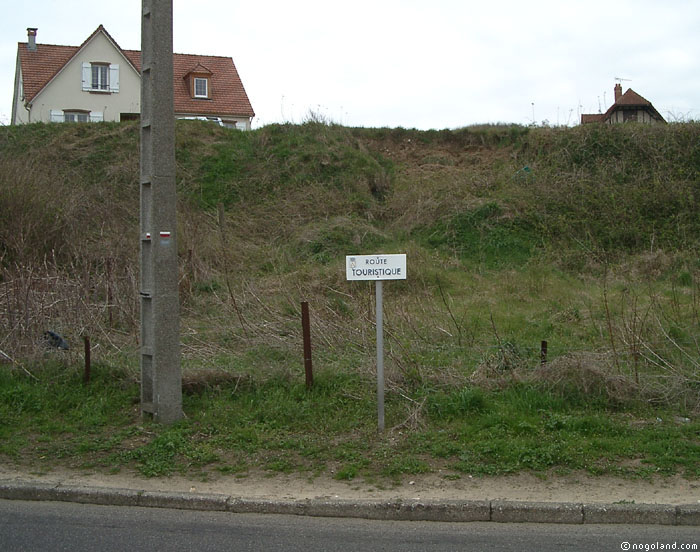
161,378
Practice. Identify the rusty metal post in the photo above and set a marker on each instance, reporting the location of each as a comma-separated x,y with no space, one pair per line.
543,353
86,376
110,294
306,331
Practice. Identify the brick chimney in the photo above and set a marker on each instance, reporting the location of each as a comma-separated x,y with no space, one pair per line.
618,91
31,39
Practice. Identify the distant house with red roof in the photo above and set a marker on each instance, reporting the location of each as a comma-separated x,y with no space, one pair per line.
99,81
628,107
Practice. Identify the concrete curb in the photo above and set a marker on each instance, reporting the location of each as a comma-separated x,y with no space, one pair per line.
502,511
651,514
536,512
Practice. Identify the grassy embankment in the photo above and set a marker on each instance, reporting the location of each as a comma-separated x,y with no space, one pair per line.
586,238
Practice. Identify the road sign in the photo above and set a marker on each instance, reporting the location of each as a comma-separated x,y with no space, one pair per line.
376,267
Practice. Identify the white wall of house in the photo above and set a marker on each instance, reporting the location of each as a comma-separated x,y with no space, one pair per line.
642,116
240,123
19,113
65,92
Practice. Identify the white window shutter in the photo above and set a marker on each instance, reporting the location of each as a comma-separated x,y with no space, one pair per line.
96,117
87,76
56,116
114,78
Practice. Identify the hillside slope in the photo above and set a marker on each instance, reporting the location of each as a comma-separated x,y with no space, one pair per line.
586,238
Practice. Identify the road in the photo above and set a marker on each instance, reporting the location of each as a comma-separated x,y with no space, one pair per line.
59,526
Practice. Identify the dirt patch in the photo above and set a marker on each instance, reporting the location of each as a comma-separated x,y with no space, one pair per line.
577,487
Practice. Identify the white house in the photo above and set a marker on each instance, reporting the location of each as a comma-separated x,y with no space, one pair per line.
98,81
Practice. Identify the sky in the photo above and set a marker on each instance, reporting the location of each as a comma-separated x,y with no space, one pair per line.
412,63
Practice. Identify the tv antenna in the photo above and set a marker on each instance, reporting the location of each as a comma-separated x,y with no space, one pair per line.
620,79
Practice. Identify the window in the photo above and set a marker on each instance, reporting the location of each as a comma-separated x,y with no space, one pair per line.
76,117
201,88
100,77
198,81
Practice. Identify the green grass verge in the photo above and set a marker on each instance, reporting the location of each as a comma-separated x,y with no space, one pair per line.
279,426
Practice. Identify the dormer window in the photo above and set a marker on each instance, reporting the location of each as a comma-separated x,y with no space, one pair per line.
198,81
201,87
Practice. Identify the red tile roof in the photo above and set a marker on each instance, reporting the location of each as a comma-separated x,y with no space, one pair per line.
632,99
199,69
228,96
592,117
39,67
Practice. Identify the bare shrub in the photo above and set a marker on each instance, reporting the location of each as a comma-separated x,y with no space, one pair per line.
96,301
587,374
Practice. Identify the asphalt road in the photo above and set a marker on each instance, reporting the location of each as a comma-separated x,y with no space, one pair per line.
58,526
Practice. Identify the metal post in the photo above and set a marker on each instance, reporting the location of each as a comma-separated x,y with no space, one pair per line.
380,356
86,374
110,295
543,353
161,379
306,331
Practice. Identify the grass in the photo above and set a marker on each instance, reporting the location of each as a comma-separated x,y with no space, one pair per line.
483,237
586,238
280,427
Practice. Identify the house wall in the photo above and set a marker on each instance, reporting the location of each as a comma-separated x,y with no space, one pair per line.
240,123
19,114
643,116
65,91
615,117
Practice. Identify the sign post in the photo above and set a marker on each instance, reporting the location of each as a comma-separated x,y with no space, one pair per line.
377,268
380,354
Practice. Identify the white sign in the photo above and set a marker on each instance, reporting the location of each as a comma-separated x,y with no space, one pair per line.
376,267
